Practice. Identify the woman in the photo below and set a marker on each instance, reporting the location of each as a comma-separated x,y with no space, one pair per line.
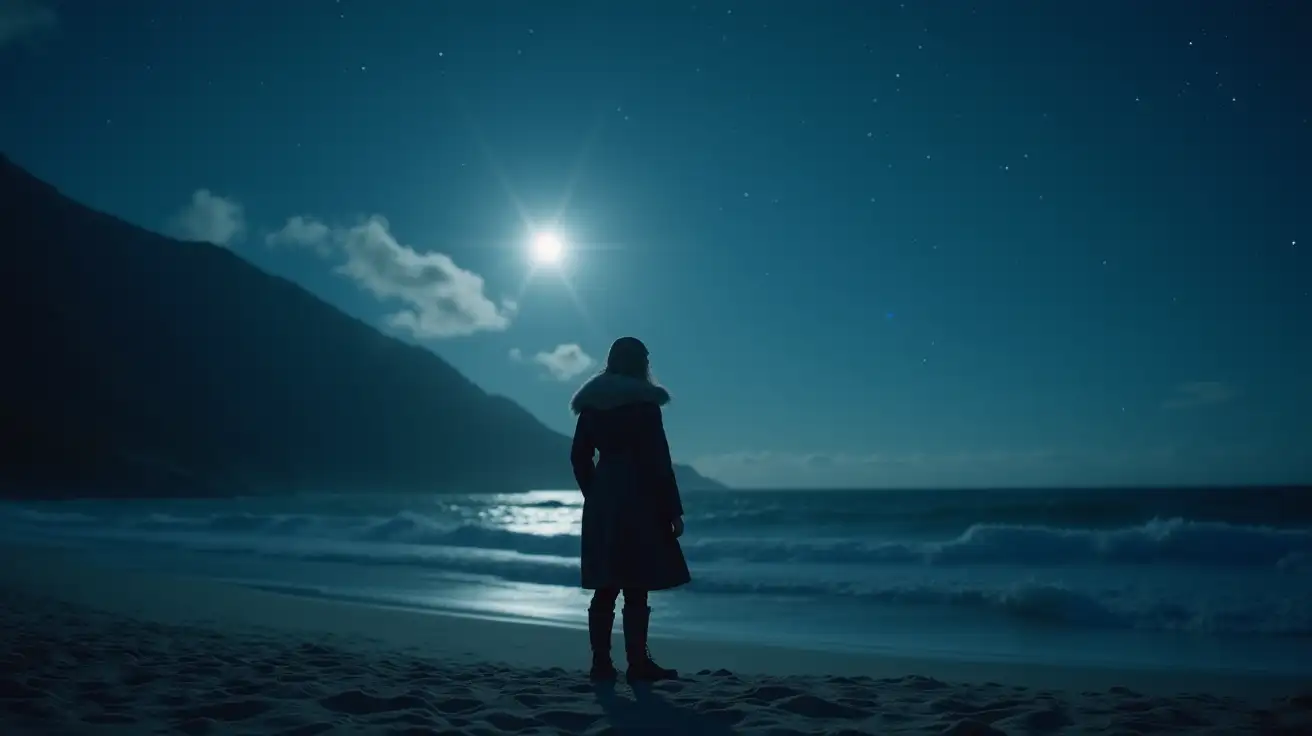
632,515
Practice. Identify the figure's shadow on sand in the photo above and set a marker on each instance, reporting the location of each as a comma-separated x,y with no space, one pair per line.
650,712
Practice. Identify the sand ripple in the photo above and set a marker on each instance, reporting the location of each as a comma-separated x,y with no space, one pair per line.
68,670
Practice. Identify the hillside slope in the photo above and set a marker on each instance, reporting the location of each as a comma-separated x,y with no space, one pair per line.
141,365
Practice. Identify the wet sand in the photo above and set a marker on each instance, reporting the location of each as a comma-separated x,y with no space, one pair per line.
85,649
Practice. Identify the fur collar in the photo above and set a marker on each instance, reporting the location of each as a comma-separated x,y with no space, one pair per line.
609,391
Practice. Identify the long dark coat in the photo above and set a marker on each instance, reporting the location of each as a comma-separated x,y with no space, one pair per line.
630,497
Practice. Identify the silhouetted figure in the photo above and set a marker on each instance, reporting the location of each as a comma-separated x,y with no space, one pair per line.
632,514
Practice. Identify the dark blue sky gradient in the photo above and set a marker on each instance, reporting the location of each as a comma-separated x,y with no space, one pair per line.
869,243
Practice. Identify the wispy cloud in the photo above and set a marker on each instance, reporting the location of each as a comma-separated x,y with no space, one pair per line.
562,362
440,299
876,459
303,232
209,218
1087,466
21,19
1199,394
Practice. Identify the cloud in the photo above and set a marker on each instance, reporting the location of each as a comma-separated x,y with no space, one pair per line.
827,460
1170,462
303,232
441,299
1022,467
563,362
23,18
1199,394
209,218
517,355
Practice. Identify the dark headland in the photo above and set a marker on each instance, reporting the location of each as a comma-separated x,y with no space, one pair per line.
140,365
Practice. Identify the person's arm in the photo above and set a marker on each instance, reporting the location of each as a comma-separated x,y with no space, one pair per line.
662,465
581,453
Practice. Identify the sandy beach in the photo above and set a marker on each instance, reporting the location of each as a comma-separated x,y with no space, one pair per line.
90,650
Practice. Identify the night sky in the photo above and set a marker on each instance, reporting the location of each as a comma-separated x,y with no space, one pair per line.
868,243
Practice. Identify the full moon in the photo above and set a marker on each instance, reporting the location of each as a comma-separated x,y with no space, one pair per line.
547,248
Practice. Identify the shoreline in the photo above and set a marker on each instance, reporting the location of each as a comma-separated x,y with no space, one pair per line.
72,577
880,644
88,649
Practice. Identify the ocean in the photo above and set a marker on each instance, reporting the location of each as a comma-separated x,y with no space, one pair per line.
1204,579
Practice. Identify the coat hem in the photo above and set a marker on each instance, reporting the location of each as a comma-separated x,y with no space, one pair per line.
637,587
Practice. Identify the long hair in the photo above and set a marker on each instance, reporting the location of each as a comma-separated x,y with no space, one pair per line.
629,357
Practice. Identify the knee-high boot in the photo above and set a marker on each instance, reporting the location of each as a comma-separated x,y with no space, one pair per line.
642,668
600,622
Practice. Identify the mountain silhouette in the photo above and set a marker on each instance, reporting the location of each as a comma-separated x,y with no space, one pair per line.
140,365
